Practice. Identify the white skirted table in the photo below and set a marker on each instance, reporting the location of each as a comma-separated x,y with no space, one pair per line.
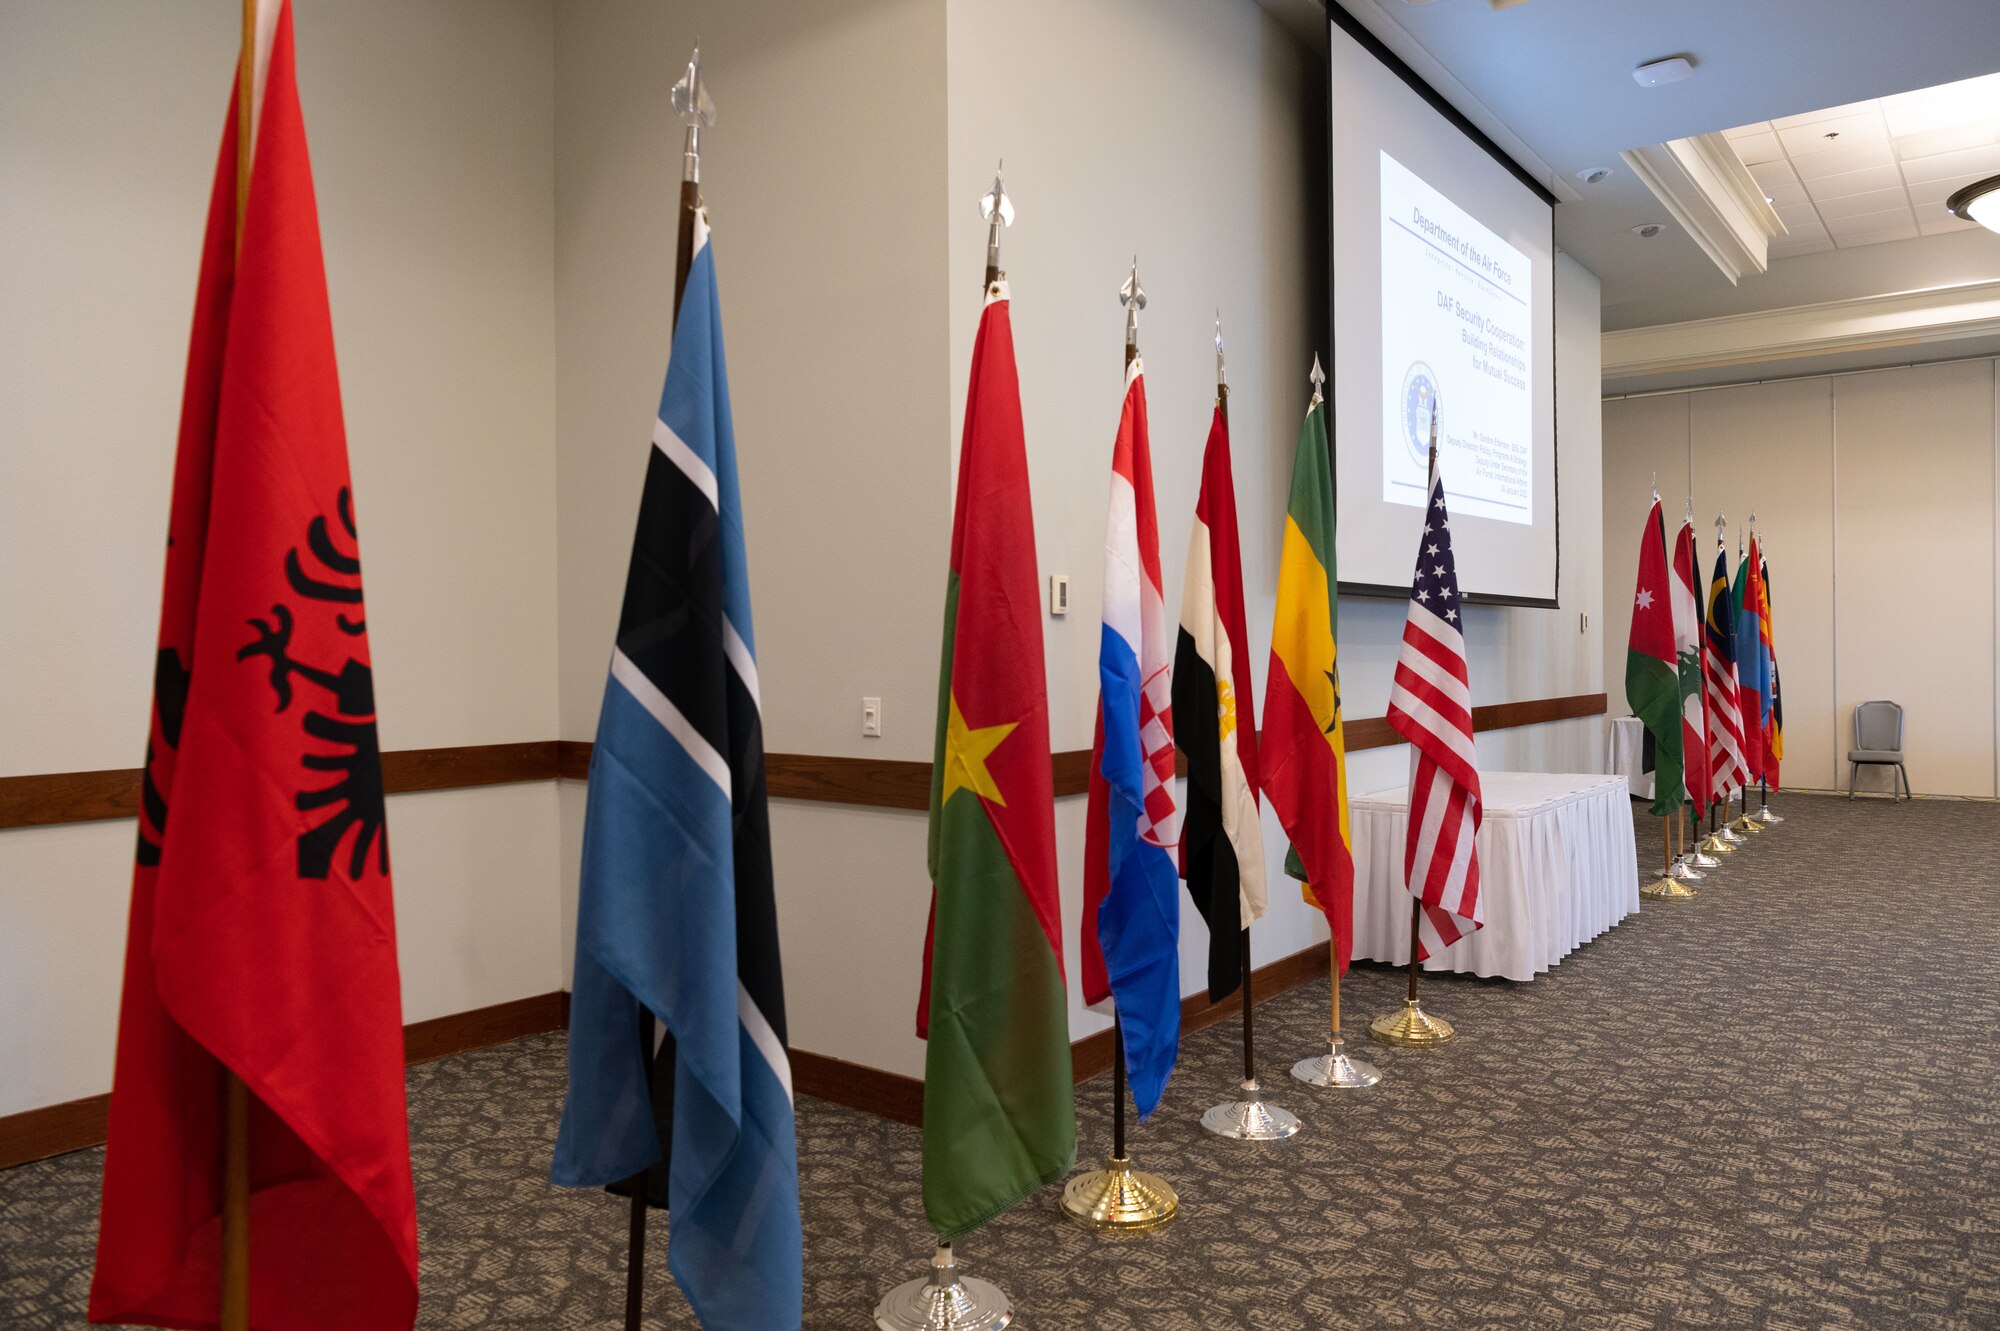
1557,867
1626,753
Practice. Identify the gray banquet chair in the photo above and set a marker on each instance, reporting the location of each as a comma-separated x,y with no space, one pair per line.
1878,741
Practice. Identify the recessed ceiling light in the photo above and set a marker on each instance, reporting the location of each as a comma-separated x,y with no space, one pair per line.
1978,202
1590,175
1671,70
1648,230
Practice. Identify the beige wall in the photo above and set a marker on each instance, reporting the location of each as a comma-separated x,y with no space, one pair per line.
1875,495
431,129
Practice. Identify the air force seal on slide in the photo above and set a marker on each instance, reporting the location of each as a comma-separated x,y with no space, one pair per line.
1419,400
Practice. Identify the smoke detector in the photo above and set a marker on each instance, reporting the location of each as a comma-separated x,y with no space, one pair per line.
1590,175
1657,72
1647,230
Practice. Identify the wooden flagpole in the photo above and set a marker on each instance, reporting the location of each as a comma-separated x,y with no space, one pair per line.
234,1295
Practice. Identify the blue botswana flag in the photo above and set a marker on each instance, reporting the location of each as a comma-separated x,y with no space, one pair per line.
676,912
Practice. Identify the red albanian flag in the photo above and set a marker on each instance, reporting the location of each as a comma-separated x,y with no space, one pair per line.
262,938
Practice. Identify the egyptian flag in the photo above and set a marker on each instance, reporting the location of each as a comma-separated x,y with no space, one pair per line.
1687,658
262,936
1774,733
675,911
1652,669
1306,775
1131,925
1222,847
999,1103
1725,729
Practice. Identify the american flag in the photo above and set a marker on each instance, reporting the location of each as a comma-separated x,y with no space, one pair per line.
1430,705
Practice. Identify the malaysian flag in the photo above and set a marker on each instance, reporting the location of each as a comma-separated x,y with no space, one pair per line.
1430,705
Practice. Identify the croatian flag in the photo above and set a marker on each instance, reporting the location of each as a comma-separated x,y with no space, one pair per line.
1131,896
675,913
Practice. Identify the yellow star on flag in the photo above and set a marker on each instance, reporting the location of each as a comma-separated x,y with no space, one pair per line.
965,753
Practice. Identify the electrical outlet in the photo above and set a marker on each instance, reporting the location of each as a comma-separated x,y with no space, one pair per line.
1058,594
871,718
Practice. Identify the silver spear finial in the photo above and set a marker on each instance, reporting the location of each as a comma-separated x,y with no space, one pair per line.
1720,523
1221,379
1133,297
1318,377
697,111
998,210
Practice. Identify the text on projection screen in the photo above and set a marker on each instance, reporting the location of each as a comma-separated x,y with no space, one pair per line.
1462,329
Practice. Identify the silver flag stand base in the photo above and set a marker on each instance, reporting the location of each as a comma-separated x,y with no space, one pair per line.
1728,836
1766,817
1683,872
1700,859
1335,1069
1250,1119
944,1301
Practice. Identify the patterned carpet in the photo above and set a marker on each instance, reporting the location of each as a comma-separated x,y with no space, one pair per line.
1772,1107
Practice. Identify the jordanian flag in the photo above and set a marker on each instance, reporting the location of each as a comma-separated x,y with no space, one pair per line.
1652,668
1222,847
1306,748
999,1108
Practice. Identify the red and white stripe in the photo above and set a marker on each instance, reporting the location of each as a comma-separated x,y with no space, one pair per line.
1430,705
1135,609
1726,768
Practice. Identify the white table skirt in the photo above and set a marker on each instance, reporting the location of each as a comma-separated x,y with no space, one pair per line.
1557,867
1625,749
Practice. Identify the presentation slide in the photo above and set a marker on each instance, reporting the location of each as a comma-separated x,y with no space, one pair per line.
1470,342
1443,305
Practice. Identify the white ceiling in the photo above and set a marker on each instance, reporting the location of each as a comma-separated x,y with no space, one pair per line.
1873,171
1551,80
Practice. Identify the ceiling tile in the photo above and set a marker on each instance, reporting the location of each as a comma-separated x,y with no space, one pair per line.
1933,191
1931,142
1869,228
1830,113
1933,220
1965,166
1747,131
1968,101
1854,205
1854,182
1786,247
1784,194
1799,216
1768,174
1754,148
1824,134
1846,157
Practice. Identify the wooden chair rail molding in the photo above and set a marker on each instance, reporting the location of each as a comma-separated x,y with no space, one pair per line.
75,1124
883,783
36,1134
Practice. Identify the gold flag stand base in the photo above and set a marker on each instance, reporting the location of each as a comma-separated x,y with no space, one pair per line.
1120,1198
1250,1119
1667,889
944,1301
1713,844
1335,1069
1410,1025
1747,824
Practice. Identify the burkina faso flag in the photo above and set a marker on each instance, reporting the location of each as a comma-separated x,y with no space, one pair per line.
999,1111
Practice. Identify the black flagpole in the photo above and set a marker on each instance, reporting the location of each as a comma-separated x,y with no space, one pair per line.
690,99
